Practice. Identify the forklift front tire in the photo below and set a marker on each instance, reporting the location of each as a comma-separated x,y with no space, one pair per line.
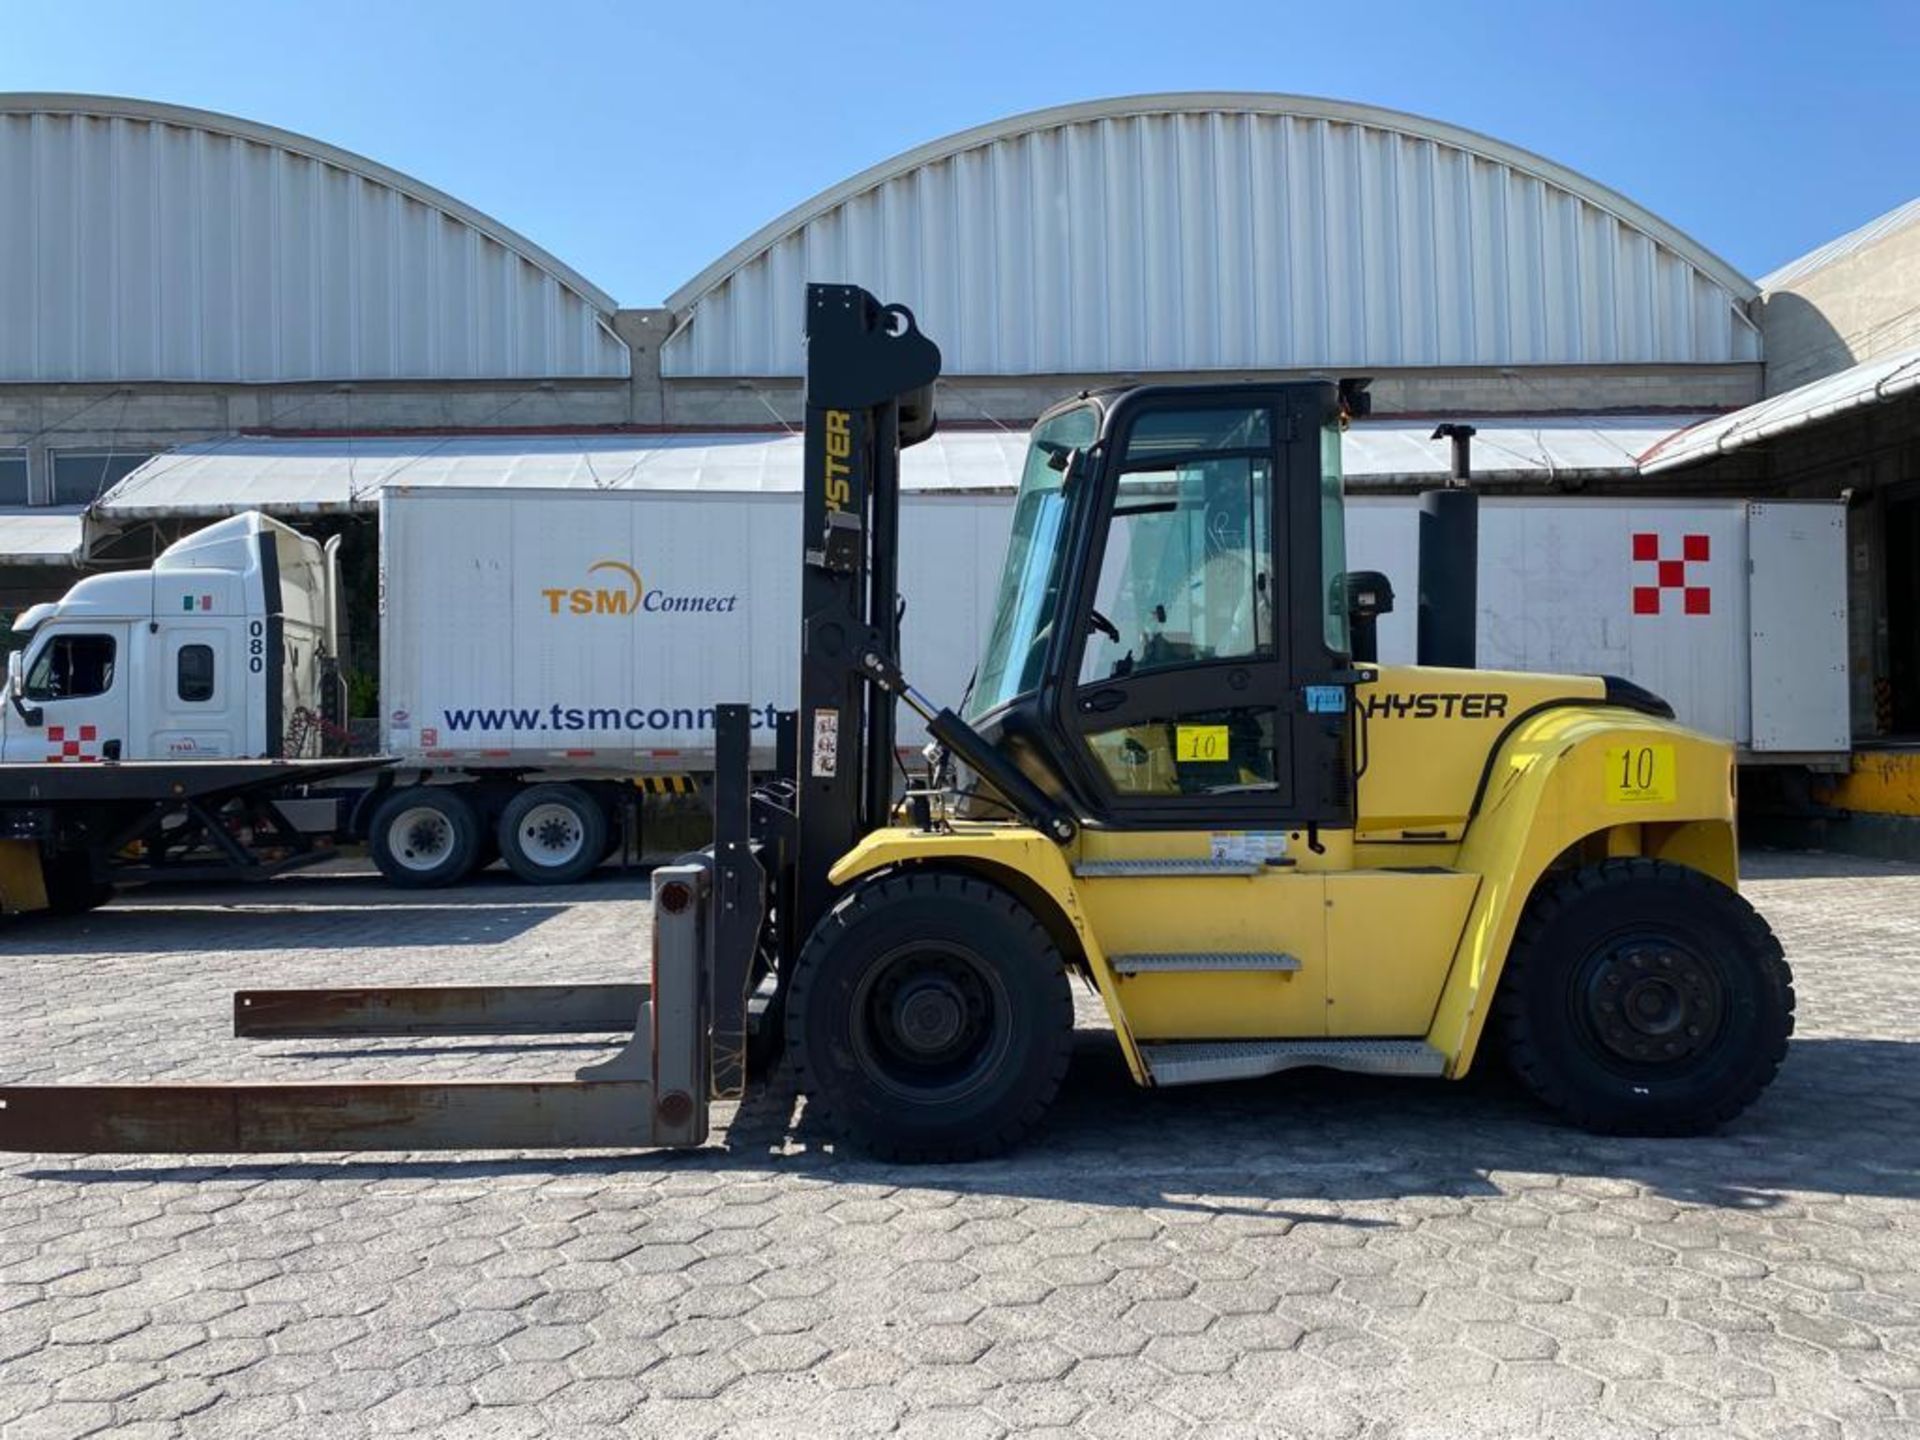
929,1019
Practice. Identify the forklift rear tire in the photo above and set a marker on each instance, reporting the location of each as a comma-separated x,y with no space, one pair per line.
425,836
928,1019
1645,998
553,834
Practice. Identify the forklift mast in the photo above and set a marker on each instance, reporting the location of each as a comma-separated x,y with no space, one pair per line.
870,375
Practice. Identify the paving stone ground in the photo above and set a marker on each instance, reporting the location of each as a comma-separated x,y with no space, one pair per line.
1312,1256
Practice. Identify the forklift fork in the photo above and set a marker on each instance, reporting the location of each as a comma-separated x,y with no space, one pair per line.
686,1048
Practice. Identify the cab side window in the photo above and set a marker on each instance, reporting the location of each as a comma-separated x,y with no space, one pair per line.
1187,573
193,678
72,667
1183,610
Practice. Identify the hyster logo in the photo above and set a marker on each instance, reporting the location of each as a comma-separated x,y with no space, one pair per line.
839,489
627,595
1438,706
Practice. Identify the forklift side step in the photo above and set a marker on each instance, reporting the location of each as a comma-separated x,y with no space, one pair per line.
162,1119
1196,1063
1147,869
437,1010
1170,963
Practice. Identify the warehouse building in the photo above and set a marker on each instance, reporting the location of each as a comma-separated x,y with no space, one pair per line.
200,314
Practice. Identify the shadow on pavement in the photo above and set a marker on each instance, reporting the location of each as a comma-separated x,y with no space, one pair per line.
1840,1120
178,929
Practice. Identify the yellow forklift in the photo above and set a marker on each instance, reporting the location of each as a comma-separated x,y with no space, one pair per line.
1179,777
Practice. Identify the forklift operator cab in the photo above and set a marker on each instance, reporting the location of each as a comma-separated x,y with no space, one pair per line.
1170,645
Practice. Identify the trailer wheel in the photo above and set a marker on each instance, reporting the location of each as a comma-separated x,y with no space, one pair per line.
425,836
553,834
928,1018
1645,998
71,888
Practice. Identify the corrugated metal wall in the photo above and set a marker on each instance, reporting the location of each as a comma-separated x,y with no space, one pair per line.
1227,240
136,249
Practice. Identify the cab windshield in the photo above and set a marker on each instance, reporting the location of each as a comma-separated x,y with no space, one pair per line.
1023,614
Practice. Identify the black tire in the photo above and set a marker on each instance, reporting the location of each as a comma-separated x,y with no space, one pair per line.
1644,998
553,834
425,836
71,887
928,1018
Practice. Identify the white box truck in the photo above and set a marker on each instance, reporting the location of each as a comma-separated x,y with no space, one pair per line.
541,649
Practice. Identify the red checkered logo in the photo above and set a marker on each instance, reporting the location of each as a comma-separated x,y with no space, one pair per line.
72,744
1671,575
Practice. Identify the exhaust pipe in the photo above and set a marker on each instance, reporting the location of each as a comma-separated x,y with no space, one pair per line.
1449,585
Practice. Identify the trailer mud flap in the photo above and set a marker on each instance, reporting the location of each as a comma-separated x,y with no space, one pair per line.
653,1092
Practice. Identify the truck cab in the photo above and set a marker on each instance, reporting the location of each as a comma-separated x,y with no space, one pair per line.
221,650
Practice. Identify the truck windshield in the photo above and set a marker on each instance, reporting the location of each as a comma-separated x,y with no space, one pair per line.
1030,582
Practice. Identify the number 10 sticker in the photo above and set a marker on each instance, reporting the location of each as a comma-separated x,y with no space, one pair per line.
1199,743
1640,774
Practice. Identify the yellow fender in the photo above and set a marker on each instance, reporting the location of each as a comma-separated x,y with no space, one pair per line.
1017,858
1595,782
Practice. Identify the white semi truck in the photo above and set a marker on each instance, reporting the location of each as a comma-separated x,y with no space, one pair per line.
161,723
542,649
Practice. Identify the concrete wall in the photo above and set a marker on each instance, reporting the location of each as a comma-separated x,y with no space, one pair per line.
1016,400
1860,306
154,417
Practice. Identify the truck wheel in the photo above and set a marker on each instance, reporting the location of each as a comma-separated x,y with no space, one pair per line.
553,834
71,888
928,1019
1645,998
425,836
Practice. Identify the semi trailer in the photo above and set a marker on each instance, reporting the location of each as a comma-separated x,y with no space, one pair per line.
542,650
540,653
1177,778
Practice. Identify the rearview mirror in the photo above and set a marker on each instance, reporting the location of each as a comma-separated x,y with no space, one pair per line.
16,673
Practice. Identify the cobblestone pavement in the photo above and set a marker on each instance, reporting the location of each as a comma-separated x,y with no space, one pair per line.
1315,1256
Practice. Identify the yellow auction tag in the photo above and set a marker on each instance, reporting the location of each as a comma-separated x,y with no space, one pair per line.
1199,742
1640,774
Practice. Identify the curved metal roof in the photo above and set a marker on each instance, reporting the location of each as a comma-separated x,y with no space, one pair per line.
1244,230
143,241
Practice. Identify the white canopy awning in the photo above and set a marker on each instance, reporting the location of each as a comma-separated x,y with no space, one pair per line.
1865,384
42,535
339,474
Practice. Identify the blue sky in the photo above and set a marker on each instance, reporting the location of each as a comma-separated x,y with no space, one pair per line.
640,141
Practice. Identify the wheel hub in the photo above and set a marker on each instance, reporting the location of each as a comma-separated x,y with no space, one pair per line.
929,1023
422,837
552,834
1653,1004
929,1014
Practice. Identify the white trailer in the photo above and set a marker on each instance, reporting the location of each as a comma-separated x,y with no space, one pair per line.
540,648
1734,611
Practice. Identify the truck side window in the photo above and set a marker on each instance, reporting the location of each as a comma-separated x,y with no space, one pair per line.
194,673
71,667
